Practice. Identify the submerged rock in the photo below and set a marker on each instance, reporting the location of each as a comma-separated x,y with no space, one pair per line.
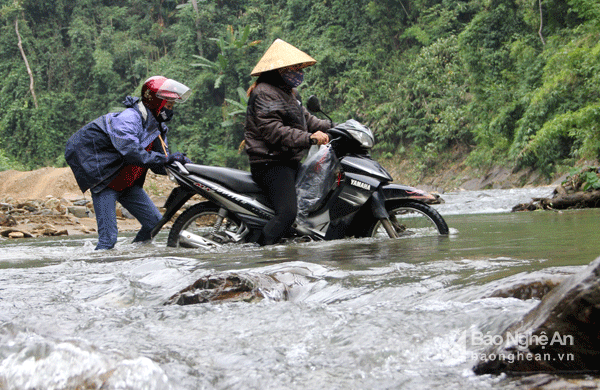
230,287
527,287
292,281
562,334
553,382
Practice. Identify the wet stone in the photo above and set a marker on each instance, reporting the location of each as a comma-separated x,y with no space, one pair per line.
528,290
553,382
560,335
229,287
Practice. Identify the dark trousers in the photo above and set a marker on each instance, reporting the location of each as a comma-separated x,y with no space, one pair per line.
278,181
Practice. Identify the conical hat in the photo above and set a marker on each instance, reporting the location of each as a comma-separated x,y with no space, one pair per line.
280,55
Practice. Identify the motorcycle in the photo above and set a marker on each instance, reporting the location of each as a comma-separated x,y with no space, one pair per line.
354,198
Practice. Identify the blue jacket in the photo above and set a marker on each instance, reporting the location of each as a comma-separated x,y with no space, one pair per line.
97,152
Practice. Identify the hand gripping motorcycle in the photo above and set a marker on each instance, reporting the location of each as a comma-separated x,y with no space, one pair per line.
342,192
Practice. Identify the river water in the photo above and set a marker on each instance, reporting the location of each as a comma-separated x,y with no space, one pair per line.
359,314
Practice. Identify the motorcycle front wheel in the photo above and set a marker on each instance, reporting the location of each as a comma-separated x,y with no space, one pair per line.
201,226
411,218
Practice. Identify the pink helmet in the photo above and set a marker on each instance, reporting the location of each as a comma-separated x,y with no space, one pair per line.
157,90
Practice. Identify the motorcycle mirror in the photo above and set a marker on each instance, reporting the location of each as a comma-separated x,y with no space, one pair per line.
313,104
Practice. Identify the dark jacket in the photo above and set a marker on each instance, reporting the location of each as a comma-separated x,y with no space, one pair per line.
277,126
97,152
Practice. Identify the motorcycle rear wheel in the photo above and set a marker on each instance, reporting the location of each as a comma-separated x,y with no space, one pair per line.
198,227
411,218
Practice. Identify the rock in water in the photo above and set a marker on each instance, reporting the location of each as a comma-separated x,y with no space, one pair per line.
562,334
230,287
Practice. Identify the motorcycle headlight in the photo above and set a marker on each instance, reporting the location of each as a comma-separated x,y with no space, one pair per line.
365,139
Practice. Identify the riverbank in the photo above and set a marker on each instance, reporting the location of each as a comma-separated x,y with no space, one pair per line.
47,201
451,173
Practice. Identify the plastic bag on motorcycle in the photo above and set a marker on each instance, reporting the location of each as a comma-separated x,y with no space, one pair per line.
316,178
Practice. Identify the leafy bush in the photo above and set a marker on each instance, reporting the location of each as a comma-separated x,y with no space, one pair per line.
585,179
428,75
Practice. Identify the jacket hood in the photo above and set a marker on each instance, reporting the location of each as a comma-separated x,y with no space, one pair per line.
130,101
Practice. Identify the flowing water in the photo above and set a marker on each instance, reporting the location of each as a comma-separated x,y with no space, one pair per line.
359,313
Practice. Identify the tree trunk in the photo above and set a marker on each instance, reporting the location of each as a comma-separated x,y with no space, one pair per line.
198,32
541,24
20,44
562,201
576,200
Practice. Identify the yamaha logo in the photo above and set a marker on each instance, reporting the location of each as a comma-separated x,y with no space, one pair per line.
360,184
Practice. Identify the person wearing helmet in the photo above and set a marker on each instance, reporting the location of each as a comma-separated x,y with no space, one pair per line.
278,132
111,155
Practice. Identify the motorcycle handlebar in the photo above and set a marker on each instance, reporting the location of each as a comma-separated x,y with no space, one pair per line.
180,167
335,135
332,140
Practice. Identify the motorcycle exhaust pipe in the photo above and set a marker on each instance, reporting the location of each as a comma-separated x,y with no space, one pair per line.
196,240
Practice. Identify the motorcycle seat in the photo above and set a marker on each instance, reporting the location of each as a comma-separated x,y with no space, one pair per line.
234,179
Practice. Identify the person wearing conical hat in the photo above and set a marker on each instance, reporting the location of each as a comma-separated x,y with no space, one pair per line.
279,131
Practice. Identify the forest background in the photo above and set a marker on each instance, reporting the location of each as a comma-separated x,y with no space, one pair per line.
492,82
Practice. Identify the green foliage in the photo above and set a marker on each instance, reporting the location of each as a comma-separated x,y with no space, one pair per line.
7,162
573,134
234,112
586,9
591,180
232,46
561,117
427,76
430,106
585,178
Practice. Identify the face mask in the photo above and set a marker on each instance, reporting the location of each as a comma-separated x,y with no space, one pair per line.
165,115
293,78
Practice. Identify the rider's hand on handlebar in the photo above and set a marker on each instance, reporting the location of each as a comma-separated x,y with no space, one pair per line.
320,137
178,156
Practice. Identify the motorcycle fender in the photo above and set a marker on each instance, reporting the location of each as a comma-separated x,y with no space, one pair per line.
177,198
398,191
